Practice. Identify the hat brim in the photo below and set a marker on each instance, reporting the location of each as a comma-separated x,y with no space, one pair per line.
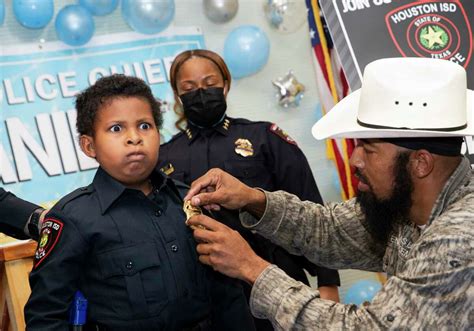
341,122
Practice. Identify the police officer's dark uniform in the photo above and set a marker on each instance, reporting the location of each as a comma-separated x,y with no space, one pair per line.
259,154
14,213
135,261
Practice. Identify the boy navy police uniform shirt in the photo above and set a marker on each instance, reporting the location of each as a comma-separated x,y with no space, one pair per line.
260,154
134,259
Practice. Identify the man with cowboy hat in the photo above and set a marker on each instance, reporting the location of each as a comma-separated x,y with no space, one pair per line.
412,218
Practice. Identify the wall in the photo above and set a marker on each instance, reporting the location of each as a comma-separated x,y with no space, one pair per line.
252,97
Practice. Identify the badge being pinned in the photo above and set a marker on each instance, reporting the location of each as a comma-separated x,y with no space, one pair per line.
49,236
190,211
243,147
282,134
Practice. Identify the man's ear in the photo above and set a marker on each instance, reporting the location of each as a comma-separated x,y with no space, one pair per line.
87,145
423,163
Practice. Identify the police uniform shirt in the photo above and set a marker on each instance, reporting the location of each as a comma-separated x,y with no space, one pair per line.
133,258
14,213
260,154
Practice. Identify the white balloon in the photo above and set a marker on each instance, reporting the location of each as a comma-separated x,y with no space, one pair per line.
220,11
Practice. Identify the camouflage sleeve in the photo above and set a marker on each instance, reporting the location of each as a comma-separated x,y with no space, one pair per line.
432,291
291,305
332,235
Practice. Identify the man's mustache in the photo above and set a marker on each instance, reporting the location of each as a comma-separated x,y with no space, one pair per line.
361,177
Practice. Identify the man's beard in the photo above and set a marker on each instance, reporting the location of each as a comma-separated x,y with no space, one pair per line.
383,214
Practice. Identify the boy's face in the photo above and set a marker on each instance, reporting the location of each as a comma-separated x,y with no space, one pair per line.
125,142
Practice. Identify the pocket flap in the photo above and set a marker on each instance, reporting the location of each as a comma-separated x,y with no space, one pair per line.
128,260
243,169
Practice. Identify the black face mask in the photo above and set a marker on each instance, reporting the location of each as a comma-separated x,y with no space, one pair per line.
204,107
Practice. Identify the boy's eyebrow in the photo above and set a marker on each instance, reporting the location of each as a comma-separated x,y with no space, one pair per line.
142,119
145,119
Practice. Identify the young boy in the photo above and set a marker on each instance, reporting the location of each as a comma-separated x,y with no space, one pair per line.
122,240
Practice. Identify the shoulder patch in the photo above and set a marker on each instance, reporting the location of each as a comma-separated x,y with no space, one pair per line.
282,134
49,236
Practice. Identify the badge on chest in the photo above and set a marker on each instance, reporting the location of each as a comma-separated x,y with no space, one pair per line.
243,147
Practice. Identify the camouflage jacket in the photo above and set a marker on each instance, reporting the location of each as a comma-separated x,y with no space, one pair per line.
431,271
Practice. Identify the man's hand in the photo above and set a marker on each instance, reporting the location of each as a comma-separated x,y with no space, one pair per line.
225,250
217,188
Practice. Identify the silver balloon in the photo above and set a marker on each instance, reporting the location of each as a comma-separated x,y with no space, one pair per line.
289,90
220,11
286,15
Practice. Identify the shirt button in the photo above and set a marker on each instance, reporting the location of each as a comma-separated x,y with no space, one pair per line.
129,265
174,248
390,318
158,212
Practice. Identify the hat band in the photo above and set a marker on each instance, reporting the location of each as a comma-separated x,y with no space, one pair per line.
374,126
447,146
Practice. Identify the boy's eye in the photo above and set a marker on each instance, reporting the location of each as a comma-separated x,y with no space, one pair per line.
145,126
115,128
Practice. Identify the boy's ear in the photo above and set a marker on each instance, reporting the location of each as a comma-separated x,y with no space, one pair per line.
87,145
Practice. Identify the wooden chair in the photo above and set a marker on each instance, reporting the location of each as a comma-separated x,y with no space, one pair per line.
16,263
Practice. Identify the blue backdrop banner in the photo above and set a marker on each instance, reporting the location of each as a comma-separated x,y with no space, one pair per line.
40,159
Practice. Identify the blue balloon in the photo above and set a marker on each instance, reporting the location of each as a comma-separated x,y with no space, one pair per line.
361,291
74,25
148,16
99,7
2,12
246,50
33,14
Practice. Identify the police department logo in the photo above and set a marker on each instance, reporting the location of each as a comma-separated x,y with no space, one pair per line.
49,236
433,37
434,29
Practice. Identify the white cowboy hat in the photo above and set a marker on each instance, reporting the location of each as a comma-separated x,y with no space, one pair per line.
402,98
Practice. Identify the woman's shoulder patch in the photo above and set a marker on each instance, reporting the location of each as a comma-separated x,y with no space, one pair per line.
282,134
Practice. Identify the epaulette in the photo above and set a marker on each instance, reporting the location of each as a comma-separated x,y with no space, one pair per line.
175,137
86,190
245,121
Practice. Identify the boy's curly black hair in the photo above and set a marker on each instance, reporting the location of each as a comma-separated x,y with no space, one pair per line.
89,101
